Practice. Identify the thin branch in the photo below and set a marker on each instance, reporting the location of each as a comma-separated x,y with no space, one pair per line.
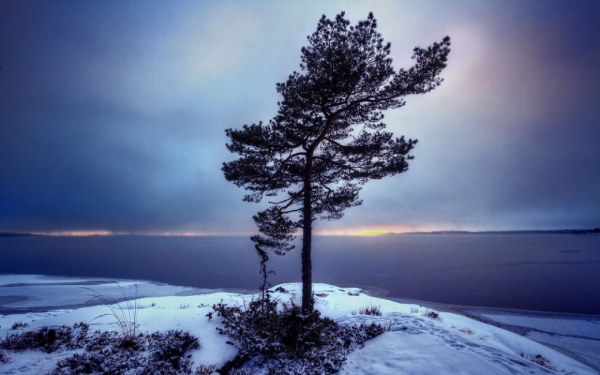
345,147
282,165
290,200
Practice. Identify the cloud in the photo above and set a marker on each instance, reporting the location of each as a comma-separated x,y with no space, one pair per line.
113,115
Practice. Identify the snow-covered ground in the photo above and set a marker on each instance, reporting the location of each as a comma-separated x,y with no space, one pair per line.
414,344
42,293
580,335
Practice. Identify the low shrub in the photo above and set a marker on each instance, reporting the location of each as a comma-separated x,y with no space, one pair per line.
243,371
107,352
205,369
171,347
18,325
157,353
540,360
46,339
284,341
4,358
432,314
370,310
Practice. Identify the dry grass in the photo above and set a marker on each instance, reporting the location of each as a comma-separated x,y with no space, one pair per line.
540,360
125,313
432,314
370,310
207,369
19,325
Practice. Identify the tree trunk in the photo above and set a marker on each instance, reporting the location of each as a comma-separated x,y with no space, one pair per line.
307,304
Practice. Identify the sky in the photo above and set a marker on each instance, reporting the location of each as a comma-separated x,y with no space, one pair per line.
112,113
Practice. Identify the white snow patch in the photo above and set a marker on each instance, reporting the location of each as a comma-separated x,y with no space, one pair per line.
585,327
35,291
415,344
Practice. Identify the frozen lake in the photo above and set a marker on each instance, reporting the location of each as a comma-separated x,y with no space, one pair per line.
542,272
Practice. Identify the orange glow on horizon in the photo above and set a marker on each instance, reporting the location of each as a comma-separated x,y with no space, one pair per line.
181,234
88,233
76,233
370,231
357,231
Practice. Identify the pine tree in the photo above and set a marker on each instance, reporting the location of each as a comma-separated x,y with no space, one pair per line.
328,138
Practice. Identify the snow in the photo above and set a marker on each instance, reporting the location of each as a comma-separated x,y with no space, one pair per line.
36,292
37,279
398,353
580,334
588,349
414,344
583,326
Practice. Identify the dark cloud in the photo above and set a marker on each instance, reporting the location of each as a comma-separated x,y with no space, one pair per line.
112,114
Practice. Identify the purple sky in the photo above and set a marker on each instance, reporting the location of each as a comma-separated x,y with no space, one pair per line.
112,114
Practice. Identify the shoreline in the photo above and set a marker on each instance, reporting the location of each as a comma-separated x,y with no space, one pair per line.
41,290
372,291
379,292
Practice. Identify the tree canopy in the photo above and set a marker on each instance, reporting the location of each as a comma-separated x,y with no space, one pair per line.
328,137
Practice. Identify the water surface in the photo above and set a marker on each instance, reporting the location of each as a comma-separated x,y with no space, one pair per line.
544,272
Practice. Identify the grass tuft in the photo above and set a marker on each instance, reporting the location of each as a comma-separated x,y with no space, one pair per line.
18,325
4,358
540,360
432,314
206,369
125,313
370,310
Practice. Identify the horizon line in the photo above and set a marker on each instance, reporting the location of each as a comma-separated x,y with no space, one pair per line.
339,233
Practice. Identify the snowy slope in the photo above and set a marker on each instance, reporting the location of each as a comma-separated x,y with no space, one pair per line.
580,334
414,344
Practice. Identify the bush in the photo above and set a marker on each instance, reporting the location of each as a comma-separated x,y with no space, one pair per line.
158,353
107,352
171,347
18,325
205,369
540,360
4,358
46,339
370,310
287,342
432,314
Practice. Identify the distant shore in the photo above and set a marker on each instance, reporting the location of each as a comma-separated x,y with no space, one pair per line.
557,231
595,231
